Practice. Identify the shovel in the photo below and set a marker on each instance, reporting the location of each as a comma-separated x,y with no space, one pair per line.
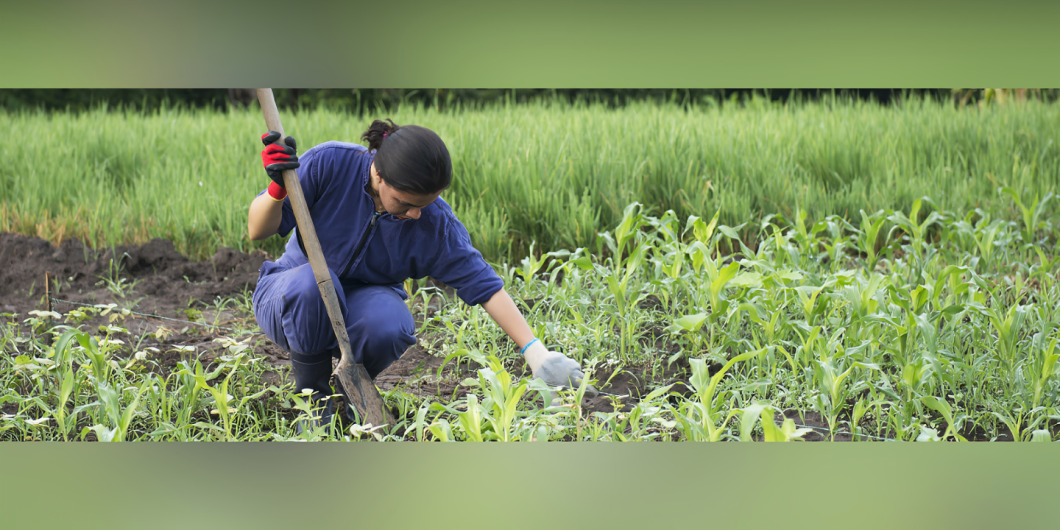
357,387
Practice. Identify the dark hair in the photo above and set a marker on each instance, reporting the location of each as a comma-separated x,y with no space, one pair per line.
411,159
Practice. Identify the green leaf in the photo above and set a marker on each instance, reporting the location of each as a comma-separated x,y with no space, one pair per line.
461,352
747,279
770,431
618,290
1049,366
938,405
703,231
127,415
584,263
62,346
654,394
700,254
1015,197
725,275
691,322
729,232
707,394
111,403
747,421
755,312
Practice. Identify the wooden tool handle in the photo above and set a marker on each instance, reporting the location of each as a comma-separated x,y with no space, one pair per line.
365,397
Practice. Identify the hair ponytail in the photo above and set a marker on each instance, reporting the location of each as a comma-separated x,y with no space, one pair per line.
411,159
378,130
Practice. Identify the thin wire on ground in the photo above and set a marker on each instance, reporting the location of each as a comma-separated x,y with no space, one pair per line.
146,315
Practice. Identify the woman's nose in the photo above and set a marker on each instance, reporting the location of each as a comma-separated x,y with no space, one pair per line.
413,213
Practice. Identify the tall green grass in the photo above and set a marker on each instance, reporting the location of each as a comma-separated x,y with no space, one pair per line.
552,172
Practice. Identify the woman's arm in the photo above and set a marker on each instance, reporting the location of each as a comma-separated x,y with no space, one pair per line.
266,212
503,311
553,368
264,217
461,266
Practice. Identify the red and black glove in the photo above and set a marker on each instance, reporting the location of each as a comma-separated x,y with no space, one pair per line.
276,159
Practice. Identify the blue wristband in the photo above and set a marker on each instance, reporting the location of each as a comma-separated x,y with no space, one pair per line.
522,351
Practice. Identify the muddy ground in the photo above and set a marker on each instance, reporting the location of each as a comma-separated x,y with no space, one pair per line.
166,282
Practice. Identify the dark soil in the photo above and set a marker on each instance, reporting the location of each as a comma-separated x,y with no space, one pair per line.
626,386
158,280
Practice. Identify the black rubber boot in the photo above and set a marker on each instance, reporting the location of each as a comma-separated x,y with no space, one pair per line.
314,372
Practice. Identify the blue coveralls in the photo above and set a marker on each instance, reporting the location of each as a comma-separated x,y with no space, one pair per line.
369,256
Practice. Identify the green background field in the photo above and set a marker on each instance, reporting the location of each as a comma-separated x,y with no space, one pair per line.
548,171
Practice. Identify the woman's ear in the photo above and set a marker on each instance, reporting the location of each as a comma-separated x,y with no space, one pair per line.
374,177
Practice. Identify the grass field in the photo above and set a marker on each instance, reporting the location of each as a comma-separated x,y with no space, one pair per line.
838,270
552,173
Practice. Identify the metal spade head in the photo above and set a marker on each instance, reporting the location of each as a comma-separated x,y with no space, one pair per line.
359,393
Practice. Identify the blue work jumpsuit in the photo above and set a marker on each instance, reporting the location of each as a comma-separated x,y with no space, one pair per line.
369,256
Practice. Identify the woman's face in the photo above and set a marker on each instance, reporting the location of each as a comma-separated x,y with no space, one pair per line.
399,203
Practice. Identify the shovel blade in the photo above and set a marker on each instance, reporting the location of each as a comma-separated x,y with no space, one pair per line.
359,392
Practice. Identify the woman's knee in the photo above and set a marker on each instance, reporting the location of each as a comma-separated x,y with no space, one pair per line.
306,324
387,324
382,327
384,346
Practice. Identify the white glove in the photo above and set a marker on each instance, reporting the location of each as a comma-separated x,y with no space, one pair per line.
555,369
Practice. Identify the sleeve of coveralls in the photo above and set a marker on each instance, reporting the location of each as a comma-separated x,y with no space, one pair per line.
462,267
308,177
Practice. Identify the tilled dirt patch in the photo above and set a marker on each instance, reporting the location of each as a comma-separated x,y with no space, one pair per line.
155,279
152,278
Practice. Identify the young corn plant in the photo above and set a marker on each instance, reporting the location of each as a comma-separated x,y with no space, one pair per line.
1007,325
495,417
868,237
701,419
916,231
953,423
1032,215
1041,367
625,301
119,417
502,399
833,379
787,432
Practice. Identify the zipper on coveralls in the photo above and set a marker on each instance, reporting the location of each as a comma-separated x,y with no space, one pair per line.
364,239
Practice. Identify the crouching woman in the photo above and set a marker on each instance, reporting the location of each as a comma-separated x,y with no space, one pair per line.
379,220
